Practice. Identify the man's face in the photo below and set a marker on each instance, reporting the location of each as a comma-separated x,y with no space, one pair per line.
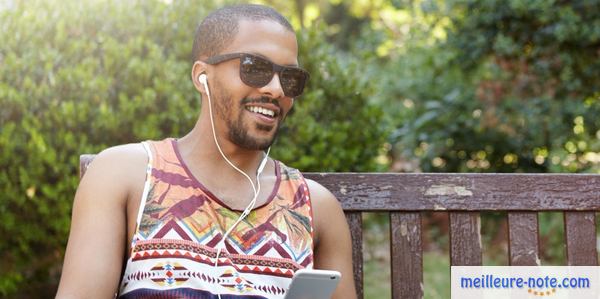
245,109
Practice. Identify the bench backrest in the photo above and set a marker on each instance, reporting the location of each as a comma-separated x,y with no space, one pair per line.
463,196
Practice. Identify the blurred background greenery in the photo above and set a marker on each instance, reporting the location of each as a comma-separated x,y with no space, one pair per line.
397,85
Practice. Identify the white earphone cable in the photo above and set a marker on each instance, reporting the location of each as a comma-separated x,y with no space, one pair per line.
246,212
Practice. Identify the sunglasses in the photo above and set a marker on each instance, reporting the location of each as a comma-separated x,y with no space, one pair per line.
257,72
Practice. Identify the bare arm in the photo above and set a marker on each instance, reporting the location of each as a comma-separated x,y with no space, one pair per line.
96,247
333,248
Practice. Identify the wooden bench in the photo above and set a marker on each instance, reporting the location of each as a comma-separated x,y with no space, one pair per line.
406,196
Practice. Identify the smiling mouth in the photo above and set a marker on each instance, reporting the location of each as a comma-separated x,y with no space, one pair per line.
263,111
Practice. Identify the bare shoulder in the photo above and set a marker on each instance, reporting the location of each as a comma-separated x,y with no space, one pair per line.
321,195
118,159
325,205
119,167
326,208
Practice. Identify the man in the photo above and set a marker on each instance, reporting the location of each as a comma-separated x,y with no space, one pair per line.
210,215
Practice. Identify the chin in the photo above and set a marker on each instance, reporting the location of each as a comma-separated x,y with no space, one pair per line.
250,142
257,137
264,143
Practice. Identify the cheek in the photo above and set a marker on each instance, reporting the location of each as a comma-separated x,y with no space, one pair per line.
287,105
230,81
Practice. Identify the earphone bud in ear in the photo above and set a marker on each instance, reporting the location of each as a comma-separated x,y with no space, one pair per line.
202,78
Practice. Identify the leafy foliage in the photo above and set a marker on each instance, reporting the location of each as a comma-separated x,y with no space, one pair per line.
513,87
480,85
80,76
76,77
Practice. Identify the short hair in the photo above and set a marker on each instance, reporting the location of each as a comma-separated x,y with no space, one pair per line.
219,28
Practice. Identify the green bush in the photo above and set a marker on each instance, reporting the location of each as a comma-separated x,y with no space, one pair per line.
505,86
80,76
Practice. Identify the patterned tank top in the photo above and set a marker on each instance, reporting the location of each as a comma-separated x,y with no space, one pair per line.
180,222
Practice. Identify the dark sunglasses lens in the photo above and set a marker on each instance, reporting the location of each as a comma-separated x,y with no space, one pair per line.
256,71
293,81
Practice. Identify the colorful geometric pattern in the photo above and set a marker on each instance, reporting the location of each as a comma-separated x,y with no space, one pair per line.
181,222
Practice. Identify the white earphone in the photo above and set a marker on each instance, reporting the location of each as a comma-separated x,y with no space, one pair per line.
202,78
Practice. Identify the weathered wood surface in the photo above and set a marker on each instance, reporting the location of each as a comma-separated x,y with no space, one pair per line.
355,224
406,251
465,239
580,235
84,162
467,192
523,240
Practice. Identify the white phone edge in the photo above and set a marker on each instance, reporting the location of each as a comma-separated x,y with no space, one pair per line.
313,283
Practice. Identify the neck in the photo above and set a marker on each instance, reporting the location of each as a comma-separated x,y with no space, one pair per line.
199,148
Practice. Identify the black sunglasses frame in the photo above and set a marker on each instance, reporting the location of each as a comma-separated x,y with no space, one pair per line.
275,69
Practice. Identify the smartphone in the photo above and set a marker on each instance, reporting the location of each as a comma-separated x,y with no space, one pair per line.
313,284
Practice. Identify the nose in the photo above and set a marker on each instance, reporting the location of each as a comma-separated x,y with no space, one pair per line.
273,89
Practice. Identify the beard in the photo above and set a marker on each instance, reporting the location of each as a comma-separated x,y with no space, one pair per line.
238,129
239,135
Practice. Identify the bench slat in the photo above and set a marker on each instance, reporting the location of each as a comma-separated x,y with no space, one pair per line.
406,255
355,223
580,235
523,245
462,191
465,239
84,162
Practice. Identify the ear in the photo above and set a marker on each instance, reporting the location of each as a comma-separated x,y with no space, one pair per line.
198,68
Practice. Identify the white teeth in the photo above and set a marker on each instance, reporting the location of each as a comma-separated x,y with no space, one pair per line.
261,110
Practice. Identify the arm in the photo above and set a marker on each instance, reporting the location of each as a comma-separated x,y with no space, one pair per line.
96,246
333,246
